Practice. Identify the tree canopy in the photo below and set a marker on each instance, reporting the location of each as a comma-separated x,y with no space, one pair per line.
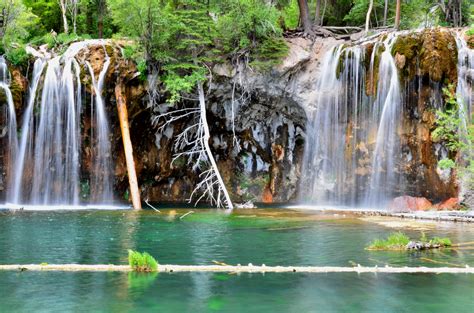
178,39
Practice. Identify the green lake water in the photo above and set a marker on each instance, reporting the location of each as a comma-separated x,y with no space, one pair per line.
273,237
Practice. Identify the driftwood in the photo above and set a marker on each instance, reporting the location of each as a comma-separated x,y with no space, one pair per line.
237,269
127,144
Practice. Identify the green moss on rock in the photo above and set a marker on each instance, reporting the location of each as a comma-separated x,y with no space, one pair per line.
429,53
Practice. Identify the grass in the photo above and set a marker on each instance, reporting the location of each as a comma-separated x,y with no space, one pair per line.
399,241
444,242
142,261
395,241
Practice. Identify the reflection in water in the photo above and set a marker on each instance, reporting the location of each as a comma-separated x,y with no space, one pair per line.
117,292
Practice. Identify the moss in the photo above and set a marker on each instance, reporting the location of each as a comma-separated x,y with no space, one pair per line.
430,53
439,56
470,41
407,46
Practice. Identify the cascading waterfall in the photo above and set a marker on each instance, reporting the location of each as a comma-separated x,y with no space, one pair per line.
101,185
387,145
465,95
11,128
327,169
25,147
346,124
47,169
465,90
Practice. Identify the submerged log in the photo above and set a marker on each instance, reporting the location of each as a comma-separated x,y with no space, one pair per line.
127,144
237,268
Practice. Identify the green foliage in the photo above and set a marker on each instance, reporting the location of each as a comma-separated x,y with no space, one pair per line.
448,122
446,164
444,242
395,241
49,14
457,140
399,241
142,262
17,56
470,32
291,15
19,25
252,28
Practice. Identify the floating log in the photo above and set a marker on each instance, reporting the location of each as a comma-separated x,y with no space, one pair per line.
238,269
127,144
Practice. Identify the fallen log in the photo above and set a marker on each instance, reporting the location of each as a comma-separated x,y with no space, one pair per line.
127,144
237,268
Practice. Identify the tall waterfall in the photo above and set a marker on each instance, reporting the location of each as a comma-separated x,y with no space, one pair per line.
351,135
101,185
465,95
387,144
47,169
366,131
11,128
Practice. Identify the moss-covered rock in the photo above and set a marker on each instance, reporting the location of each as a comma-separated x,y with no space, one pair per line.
430,53
470,41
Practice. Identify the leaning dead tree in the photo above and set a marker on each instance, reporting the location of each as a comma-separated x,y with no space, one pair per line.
192,144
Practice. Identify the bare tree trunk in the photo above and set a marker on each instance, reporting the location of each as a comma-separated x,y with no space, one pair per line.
304,16
460,13
397,14
127,145
385,13
100,19
367,18
62,4
74,12
317,15
202,105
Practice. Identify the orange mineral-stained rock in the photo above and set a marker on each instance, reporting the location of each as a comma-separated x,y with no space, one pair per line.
449,204
267,196
408,204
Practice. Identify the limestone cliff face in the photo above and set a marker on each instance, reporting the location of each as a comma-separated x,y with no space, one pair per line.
258,122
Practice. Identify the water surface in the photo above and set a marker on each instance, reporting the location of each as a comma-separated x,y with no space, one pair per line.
273,237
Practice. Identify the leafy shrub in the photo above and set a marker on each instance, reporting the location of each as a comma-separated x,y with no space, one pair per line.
17,56
470,32
446,164
142,262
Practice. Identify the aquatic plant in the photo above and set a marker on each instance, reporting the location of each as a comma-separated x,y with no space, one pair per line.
400,241
444,242
395,241
142,261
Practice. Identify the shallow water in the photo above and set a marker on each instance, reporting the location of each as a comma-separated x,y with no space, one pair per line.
273,237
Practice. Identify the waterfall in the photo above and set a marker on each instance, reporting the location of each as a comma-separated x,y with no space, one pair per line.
465,90
101,185
465,100
352,139
48,163
10,113
387,145
27,133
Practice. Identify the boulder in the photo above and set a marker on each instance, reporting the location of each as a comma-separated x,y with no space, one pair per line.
409,204
449,205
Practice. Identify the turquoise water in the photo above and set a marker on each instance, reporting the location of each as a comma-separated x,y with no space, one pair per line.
273,237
